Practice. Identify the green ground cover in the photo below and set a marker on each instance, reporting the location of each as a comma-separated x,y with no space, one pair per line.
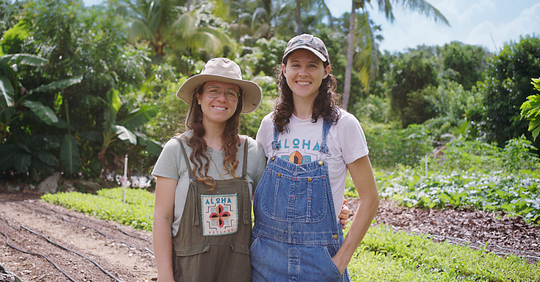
386,255
383,255
137,211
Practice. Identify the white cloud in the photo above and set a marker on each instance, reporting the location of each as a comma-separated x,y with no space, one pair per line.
481,35
528,22
475,11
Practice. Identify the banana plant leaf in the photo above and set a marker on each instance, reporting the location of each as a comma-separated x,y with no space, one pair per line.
44,113
124,134
151,146
58,85
140,116
22,161
69,154
6,92
23,59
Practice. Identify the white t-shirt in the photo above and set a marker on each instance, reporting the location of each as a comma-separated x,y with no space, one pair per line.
346,143
171,164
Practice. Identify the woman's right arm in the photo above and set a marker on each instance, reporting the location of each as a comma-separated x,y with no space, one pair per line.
163,219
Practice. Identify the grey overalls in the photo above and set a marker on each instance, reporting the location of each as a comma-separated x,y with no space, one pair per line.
212,243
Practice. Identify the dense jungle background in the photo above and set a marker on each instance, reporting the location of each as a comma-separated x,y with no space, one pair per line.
82,87
88,94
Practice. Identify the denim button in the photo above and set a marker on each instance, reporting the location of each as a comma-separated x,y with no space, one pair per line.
335,236
279,175
309,179
273,158
321,162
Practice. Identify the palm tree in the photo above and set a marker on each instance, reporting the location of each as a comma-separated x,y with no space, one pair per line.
249,20
162,25
368,66
289,9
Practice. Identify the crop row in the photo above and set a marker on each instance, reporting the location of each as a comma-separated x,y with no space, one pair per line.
383,255
515,194
108,205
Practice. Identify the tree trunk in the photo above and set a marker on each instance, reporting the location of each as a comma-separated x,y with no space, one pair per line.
298,18
350,54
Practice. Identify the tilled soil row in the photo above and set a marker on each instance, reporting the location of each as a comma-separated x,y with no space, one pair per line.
126,253
82,248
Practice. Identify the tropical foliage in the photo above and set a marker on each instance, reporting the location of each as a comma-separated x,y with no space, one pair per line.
93,84
530,110
505,88
472,174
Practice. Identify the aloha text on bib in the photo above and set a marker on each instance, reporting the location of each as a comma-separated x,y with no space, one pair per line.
220,214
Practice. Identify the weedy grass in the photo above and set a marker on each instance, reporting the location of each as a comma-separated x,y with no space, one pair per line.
137,212
383,255
386,255
133,196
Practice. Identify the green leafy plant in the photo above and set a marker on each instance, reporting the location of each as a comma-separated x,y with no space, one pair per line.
471,174
108,205
389,148
21,150
530,110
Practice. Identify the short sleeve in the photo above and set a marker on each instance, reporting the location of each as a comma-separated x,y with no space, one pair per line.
265,134
167,163
351,138
256,161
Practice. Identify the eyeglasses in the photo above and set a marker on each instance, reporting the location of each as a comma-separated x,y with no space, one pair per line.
214,92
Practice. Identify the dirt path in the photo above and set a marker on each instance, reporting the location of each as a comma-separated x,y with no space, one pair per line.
107,251
83,248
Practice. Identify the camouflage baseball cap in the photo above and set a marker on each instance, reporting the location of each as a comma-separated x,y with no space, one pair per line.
308,42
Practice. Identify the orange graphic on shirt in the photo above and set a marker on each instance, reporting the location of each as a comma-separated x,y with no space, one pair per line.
295,157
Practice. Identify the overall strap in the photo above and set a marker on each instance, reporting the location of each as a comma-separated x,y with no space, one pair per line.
196,219
275,143
186,159
326,128
244,164
245,191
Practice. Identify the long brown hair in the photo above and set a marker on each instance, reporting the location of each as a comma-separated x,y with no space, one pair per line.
199,156
325,104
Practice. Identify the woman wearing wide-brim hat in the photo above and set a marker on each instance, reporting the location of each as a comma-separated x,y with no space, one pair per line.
204,181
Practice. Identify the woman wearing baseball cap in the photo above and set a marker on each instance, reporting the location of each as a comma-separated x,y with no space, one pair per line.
310,144
204,179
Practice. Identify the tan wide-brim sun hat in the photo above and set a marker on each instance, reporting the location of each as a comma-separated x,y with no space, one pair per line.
222,70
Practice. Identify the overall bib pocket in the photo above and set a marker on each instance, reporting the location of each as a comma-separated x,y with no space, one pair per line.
293,199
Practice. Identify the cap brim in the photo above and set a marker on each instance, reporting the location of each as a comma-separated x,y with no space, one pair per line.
251,92
317,53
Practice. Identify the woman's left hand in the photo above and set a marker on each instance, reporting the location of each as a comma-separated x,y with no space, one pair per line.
344,214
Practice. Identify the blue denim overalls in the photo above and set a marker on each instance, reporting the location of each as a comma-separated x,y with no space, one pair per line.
296,232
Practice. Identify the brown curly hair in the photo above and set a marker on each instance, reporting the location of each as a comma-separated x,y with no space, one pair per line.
325,104
199,156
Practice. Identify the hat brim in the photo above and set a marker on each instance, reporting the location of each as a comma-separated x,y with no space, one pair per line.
317,53
251,92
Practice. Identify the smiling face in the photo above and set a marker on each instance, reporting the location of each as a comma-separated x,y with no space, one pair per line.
219,109
304,72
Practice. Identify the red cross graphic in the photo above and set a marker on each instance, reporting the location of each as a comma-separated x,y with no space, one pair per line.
220,216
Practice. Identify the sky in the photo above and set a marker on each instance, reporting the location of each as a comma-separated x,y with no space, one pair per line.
487,23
